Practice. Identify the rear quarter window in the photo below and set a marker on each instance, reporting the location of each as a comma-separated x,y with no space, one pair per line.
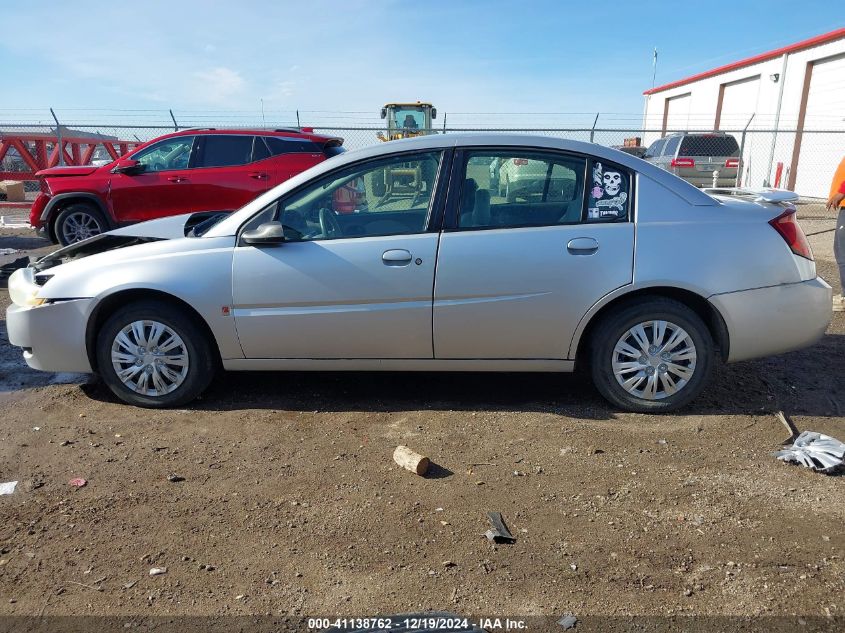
286,145
609,195
333,150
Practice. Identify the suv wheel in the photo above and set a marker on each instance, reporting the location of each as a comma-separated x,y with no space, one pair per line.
79,221
151,354
651,357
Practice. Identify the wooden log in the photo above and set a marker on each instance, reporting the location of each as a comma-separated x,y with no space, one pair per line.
409,460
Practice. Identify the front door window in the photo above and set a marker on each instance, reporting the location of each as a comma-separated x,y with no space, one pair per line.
169,154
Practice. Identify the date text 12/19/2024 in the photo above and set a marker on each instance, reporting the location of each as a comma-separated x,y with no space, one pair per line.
417,624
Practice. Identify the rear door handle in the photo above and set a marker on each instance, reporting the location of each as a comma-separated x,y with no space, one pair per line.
582,246
258,175
396,257
177,179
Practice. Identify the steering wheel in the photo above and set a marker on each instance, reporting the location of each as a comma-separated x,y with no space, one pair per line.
329,225
157,166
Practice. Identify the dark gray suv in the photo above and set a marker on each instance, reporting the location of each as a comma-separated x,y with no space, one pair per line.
695,157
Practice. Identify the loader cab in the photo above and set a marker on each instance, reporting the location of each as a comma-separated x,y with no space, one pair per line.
405,120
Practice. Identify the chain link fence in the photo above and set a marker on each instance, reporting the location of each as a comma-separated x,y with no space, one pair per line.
801,160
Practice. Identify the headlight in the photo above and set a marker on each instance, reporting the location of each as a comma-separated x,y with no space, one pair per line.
23,290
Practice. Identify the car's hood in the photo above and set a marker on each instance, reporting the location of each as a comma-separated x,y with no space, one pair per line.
163,228
70,170
173,227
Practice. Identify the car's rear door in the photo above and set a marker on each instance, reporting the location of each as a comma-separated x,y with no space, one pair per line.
515,278
354,277
230,171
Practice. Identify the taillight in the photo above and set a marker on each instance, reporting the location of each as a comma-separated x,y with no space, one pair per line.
683,162
787,225
520,161
732,163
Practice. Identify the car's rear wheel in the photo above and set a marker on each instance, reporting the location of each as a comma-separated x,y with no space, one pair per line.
654,356
79,221
151,354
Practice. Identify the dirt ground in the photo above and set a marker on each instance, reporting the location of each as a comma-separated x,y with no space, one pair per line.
291,503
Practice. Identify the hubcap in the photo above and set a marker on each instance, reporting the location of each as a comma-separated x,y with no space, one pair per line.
149,358
654,360
80,226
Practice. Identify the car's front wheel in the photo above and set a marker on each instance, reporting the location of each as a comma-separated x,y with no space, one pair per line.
77,222
152,354
653,356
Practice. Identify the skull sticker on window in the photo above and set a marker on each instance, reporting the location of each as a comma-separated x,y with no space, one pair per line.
612,182
608,195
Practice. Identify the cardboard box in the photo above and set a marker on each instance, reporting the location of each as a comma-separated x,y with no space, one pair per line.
13,190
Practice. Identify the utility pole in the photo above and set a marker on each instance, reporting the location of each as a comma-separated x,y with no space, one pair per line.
654,67
59,138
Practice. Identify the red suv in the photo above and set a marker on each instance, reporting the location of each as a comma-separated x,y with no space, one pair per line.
184,172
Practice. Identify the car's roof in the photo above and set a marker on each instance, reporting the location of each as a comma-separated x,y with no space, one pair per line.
284,132
713,133
687,192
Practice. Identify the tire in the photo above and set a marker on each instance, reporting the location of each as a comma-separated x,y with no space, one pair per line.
616,330
78,221
190,350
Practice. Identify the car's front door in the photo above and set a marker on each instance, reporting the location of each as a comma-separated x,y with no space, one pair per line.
354,277
161,187
515,276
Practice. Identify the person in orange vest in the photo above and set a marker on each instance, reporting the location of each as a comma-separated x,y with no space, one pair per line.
836,202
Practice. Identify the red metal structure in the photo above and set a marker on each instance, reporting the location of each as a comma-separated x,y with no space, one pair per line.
36,151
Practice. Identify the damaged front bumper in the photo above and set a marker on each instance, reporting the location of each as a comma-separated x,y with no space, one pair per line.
50,332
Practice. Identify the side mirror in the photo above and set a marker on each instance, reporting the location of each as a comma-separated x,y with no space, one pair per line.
384,113
267,234
434,113
127,166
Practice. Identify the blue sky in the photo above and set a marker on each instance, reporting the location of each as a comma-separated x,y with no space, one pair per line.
353,55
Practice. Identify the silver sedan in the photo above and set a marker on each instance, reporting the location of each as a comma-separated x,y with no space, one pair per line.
406,257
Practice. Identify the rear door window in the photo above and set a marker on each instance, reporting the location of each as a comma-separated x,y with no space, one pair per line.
509,189
709,145
219,150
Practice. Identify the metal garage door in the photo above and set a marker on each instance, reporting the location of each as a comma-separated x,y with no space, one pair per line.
821,153
739,102
677,113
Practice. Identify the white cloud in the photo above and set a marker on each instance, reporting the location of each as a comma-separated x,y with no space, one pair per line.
219,86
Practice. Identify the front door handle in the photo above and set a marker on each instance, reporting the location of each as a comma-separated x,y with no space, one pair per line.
258,175
396,257
582,246
177,179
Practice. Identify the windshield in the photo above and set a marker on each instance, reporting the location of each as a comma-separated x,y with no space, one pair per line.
409,118
199,223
